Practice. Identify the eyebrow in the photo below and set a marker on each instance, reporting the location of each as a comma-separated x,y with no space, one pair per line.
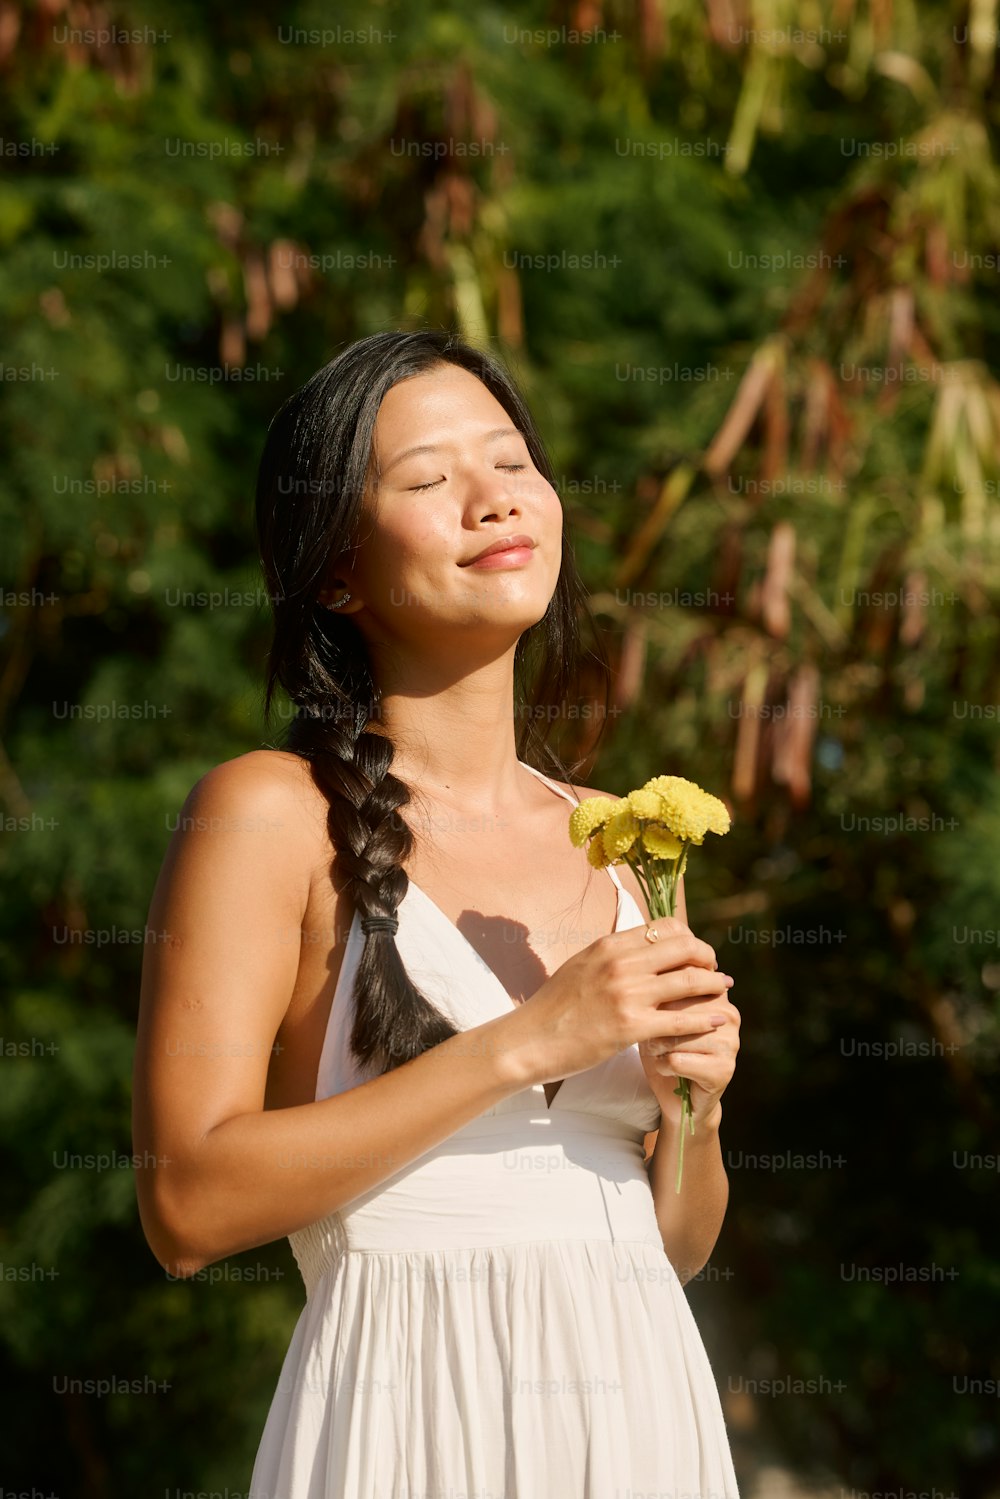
427,447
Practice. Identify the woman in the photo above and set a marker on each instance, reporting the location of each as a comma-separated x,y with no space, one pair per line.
400,1019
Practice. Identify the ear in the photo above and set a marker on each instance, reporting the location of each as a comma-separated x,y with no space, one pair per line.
340,581
334,590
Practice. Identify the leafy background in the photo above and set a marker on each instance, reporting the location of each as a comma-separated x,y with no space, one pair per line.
790,525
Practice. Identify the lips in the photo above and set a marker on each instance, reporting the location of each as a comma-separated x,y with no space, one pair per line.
505,544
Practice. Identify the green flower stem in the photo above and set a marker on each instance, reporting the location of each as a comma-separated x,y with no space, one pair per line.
659,880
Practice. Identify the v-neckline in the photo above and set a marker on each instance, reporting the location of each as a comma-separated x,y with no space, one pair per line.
490,974
447,921
514,1005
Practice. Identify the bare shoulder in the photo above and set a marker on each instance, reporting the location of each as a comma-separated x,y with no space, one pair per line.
263,808
274,786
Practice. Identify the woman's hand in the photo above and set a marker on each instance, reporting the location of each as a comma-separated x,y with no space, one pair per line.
619,991
706,1057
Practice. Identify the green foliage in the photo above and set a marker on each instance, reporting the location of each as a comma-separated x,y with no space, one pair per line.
790,525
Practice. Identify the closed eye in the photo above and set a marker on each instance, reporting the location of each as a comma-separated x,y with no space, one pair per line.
418,488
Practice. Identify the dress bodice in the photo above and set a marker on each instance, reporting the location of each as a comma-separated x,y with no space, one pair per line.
448,970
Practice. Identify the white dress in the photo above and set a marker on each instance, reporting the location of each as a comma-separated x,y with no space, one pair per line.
498,1320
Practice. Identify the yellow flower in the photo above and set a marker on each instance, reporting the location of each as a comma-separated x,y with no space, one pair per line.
596,854
660,843
620,832
645,804
688,811
590,814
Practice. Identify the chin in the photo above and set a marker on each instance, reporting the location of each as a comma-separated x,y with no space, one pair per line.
518,615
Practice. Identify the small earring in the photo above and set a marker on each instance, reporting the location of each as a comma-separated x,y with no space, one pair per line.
339,602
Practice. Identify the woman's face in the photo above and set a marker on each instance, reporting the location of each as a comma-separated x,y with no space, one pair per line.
413,580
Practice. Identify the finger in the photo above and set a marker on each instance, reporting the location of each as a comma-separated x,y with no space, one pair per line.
700,1006
676,943
703,1078
693,1032
690,984
700,1042
682,1029
699,1015
700,1074
721,1055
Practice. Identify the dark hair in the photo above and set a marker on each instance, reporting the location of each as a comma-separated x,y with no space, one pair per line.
315,471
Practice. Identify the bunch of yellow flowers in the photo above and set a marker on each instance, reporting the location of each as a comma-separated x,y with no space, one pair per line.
651,831
661,817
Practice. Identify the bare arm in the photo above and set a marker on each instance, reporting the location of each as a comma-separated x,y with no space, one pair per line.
217,1172
690,1220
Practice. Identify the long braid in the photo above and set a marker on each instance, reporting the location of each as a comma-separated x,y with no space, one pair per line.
393,1021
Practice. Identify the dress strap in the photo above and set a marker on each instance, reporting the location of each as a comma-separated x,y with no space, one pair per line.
560,791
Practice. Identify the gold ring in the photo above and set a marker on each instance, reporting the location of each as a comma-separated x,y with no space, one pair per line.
652,935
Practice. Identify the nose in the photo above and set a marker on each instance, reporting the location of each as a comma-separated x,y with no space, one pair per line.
495,495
